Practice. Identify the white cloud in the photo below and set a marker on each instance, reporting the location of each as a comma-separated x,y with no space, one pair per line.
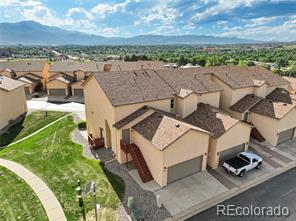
260,21
223,6
19,3
160,12
103,9
73,11
283,32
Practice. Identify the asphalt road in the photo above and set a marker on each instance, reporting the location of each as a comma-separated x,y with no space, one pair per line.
280,190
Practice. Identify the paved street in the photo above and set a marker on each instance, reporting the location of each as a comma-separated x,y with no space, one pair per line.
280,190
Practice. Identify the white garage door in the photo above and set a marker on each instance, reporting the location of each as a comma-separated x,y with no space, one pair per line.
230,153
286,135
57,92
184,169
78,92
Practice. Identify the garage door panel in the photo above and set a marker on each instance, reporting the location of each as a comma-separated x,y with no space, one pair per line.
286,135
184,169
57,92
230,153
78,92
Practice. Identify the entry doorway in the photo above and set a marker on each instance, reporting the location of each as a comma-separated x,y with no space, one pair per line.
108,135
126,136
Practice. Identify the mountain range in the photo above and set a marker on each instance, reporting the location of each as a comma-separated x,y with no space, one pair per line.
33,33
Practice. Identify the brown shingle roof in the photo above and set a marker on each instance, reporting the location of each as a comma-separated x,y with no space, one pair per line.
9,84
272,109
245,103
129,87
241,77
190,79
162,129
211,119
24,66
282,95
71,66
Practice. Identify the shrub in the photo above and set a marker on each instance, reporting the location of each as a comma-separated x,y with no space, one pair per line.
35,95
81,125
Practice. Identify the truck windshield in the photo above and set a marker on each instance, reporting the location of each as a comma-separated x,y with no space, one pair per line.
245,158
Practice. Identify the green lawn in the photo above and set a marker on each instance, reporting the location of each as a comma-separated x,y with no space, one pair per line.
59,162
18,201
28,125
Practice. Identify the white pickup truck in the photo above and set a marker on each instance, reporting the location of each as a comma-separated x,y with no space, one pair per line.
242,163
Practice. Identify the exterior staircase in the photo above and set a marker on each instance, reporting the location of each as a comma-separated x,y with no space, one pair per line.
140,163
257,135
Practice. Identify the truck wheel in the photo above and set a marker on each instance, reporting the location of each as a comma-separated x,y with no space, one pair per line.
242,173
259,166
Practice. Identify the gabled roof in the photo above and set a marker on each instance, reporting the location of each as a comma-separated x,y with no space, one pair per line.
190,79
272,109
9,84
162,129
245,103
241,77
211,119
282,95
128,87
23,66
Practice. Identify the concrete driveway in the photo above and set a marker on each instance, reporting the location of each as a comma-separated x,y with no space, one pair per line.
190,191
288,149
76,108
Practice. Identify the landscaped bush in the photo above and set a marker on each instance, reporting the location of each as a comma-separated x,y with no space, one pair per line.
35,95
81,125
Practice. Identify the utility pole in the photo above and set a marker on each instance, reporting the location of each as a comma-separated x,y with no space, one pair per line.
95,201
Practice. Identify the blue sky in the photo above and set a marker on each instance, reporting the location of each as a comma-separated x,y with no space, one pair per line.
252,19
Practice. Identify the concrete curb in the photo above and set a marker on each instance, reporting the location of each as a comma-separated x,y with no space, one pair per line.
228,194
36,132
51,205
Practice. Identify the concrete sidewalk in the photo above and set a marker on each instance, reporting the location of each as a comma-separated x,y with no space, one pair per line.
50,203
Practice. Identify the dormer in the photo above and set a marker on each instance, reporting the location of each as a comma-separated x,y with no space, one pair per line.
260,88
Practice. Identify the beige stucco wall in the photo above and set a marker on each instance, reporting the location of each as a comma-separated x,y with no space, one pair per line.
56,84
12,105
261,91
185,106
190,145
226,94
288,122
267,126
124,110
238,94
238,134
80,75
152,155
212,98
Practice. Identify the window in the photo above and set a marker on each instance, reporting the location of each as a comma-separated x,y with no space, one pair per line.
172,103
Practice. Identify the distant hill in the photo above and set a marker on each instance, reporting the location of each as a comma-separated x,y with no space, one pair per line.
33,33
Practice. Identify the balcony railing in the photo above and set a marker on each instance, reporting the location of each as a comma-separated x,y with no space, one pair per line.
95,142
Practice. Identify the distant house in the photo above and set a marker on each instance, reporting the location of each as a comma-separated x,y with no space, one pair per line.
79,72
12,101
34,73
